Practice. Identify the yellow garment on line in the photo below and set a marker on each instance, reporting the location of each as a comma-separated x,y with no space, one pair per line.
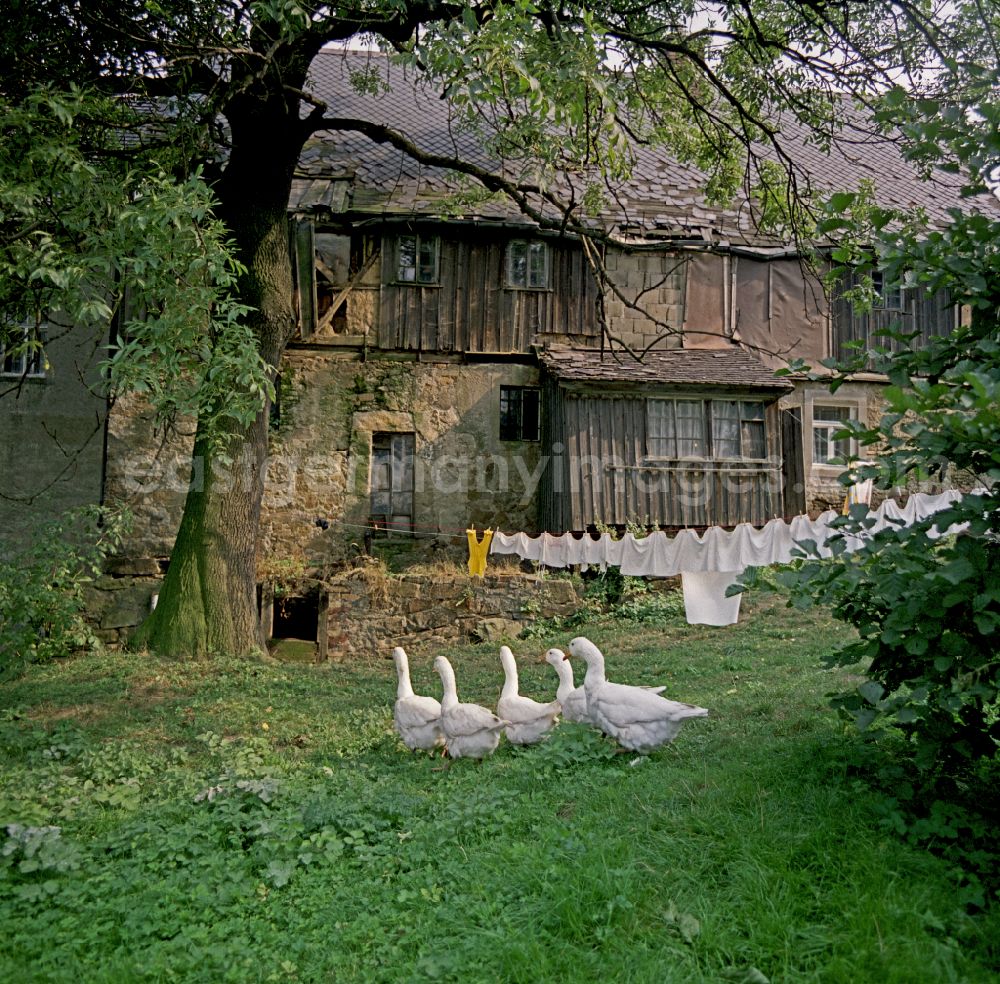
858,493
478,549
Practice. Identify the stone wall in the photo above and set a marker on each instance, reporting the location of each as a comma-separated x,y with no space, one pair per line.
655,283
332,403
365,613
424,611
120,599
321,452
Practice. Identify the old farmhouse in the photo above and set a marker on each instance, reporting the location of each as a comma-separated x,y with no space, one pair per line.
457,367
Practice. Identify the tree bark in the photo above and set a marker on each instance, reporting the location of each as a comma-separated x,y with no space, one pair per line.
208,600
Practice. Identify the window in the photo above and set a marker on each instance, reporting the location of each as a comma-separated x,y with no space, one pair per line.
888,296
21,362
518,413
418,260
827,421
738,429
391,481
527,264
732,429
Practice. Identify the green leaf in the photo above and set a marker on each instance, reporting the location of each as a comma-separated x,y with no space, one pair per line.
842,200
871,691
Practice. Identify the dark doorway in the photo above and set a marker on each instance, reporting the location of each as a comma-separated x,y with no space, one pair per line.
296,617
792,467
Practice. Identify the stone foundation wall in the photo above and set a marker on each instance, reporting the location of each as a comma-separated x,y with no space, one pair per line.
362,614
119,600
422,611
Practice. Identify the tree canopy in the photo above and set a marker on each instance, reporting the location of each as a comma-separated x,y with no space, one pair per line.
225,89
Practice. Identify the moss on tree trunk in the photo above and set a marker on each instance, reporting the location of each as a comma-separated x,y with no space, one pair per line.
208,600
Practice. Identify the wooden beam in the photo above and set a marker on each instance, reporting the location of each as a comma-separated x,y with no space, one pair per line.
327,318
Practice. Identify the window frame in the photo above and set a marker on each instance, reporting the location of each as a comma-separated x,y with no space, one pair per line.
532,247
709,436
396,451
889,295
420,241
506,432
830,427
30,363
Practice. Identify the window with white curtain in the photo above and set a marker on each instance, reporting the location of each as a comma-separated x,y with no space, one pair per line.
717,429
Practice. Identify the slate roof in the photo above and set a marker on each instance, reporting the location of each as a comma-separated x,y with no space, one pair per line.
662,198
730,368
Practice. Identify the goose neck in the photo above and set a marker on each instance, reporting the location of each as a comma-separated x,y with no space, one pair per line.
595,671
510,674
566,683
449,692
404,688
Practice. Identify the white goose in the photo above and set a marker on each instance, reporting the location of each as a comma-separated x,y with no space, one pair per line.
573,699
470,731
636,718
417,719
529,720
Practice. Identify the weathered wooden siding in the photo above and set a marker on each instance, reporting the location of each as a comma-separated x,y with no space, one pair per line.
926,314
553,504
471,310
602,476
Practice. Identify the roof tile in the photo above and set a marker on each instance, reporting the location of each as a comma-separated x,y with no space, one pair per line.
662,193
732,368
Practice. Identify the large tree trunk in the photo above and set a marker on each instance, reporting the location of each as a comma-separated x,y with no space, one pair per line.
208,600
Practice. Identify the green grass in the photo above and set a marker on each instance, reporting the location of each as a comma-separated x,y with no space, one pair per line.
242,821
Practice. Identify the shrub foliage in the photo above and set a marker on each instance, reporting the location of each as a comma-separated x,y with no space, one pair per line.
42,585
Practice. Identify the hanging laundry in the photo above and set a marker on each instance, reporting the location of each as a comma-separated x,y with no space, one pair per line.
720,554
859,492
705,600
478,549
520,544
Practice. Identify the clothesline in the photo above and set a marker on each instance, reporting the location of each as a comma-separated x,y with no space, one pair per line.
717,549
709,564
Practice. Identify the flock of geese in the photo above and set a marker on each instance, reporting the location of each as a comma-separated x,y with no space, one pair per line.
638,718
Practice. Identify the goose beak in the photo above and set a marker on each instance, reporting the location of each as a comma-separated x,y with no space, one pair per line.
565,655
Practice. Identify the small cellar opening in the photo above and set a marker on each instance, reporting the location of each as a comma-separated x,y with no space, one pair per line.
296,617
295,622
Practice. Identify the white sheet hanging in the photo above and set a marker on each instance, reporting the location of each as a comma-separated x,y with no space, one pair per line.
717,551
705,601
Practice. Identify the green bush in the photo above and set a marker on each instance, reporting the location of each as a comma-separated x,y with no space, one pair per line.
929,629
41,586
928,614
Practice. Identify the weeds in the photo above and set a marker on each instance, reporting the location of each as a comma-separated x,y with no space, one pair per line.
753,848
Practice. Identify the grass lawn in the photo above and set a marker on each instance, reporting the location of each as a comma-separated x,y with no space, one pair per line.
245,821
